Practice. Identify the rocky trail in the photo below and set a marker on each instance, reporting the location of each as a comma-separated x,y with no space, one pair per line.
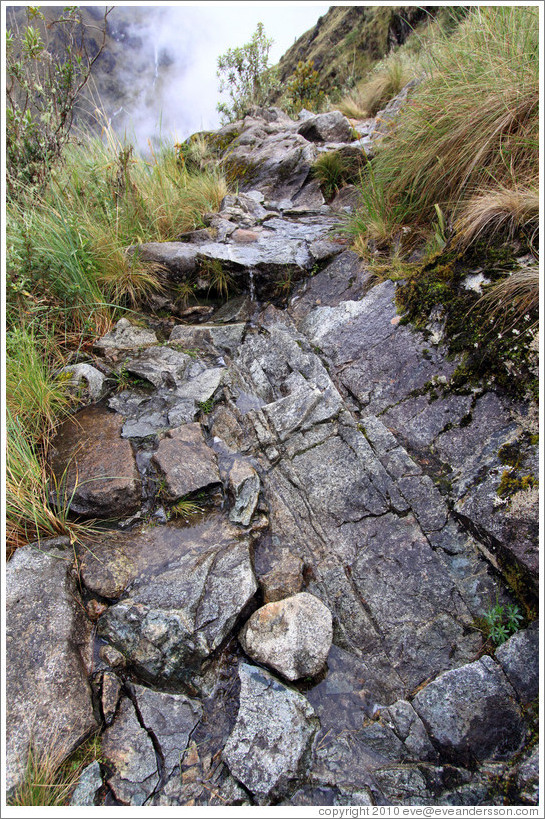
302,532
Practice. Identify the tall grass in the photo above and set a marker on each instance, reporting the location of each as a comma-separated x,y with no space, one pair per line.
68,274
473,124
378,88
69,245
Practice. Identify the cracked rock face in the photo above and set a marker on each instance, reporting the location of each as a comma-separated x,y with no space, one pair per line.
274,728
292,636
178,612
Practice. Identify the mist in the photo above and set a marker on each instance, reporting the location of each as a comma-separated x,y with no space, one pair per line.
164,84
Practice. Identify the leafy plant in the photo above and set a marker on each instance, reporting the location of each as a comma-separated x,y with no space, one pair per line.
245,73
502,621
206,406
48,63
303,89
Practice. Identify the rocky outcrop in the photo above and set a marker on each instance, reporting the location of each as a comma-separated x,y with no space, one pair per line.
297,482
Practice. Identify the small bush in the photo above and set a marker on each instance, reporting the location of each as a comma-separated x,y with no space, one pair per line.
245,73
303,89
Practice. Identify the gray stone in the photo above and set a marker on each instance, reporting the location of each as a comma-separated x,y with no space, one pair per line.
519,658
89,782
284,579
83,380
329,127
471,713
126,336
183,605
48,657
201,387
268,746
170,718
128,750
110,695
161,366
244,485
185,461
94,467
223,337
179,257
292,636
408,726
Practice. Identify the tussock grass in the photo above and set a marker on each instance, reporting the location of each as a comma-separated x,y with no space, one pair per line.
50,778
513,298
377,89
334,169
470,127
503,210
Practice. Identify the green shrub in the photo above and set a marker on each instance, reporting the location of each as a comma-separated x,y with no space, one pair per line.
47,66
245,73
303,89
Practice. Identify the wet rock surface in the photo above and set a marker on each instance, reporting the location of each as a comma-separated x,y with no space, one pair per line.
298,442
97,481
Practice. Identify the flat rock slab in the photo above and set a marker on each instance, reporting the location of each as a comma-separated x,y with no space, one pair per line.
177,613
222,337
268,746
161,366
293,636
94,467
48,644
126,336
471,712
185,461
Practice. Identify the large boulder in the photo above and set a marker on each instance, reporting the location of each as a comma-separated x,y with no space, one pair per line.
329,127
48,654
268,747
293,635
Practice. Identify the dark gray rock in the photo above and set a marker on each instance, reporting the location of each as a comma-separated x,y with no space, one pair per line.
329,127
268,747
471,712
94,480
170,719
48,657
293,636
519,658
182,606
244,486
128,750
185,461
526,778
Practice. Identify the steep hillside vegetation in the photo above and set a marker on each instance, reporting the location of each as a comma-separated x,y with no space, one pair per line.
347,41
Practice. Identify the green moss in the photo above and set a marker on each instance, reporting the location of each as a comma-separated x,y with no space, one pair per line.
509,454
490,354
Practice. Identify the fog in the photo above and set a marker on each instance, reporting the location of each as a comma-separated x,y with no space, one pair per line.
164,84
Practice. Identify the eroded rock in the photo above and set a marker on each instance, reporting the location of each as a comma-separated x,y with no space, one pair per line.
293,636
185,461
268,747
